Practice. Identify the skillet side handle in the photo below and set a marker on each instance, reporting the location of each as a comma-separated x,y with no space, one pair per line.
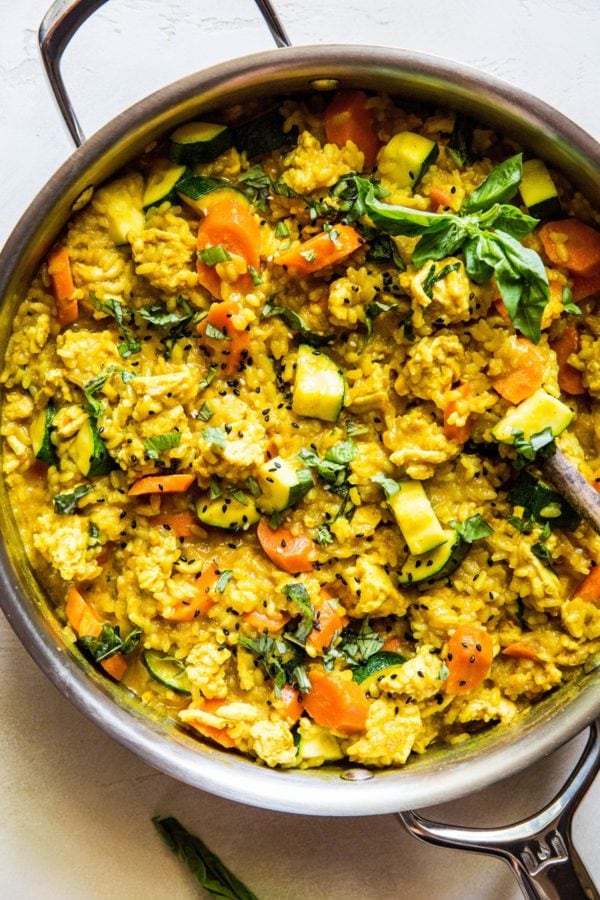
540,849
65,18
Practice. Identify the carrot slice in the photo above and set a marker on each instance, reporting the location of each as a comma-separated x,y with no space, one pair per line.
320,251
199,600
218,735
521,650
329,619
336,703
348,118
458,433
290,552
180,524
289,704
229,352
439,197
469,657
59,269
394,645
572,245
589,589
161,484
524,373
86,623
570,379
263,622
229,223
583,287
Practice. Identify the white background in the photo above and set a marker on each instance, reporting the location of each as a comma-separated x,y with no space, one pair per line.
75,807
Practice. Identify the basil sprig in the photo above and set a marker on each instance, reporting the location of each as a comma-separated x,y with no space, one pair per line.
488,231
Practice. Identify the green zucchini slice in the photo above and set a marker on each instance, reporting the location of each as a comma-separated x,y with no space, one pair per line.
319,386
89,452
416,518
406,157
317,743
123,212
260,135
229,513
40,432
167,670
538,191
199,142
377,666
438,563
161,182
538,412
282,484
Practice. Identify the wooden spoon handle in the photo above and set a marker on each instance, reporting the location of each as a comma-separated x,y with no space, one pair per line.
570,484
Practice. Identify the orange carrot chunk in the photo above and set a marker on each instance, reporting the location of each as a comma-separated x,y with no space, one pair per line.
290,552
329,619
439,197
289,704
570,379
199,599
521,650
583,288
218,735
572,245
469,657
86,623
320,251
589,589
348,118
263,622
59,269
230,351
336,703
229,223
161,484
180,524
454,432
524,372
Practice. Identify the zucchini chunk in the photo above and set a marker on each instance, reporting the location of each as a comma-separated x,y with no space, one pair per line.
538,191
319,387
438,563
532,416
199,142
282,484
229,513
40,432
378,665
123,212
460,142
167,670
260,135
200,193
317,743
405,159
415,517
89,452
161,183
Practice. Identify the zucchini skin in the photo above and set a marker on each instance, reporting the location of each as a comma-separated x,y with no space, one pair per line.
227,513
89,452
260,135
162,185
538,191
46,451
319,387
192,153
376,666
416,570
155,664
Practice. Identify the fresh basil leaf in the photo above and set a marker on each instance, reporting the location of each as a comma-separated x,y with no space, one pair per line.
255,275
342,453
161,318
440,243
156,445
542,552
522,281
542,504
433,277
351,192
209,871
403,220
109,642
382,249
409,331
390,487
298,594
213,332
377,308
333,468
208,378
508,219
567,301
282,231
296,323
214,436
323,535
223,580
300,676
475,253
472,529
500,186
459,145
529,448
114,308
66,504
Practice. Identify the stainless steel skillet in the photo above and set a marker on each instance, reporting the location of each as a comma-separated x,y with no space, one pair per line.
445,773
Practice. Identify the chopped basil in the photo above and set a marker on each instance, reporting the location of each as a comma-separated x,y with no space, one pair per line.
353,429
208,379
567,301
156,445
278,657
294,321
93,534
206,412
528,449
390,487
175,323
213,332
255,275
540,504
253,486
377,308
433,277
66,504
357,647
409,332
212,256
109,642
214,436
323,535
214,491
223,581
114,308
333,468
298,594
472,529
215,878
382,249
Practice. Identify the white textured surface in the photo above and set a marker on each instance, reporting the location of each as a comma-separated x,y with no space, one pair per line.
76,807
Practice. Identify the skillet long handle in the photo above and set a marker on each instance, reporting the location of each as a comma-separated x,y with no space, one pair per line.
539,850
65,18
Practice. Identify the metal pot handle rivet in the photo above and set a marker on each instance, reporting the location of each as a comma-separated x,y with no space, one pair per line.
63,20
539,849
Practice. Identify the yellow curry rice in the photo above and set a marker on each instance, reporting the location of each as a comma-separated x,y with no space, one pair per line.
165,390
